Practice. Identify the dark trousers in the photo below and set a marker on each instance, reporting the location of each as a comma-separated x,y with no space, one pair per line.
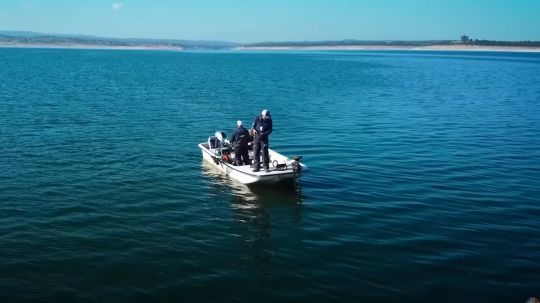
241,155
259,145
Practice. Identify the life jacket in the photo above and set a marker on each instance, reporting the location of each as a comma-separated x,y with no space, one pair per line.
243,139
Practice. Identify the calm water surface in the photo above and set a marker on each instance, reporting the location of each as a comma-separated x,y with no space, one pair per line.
424,183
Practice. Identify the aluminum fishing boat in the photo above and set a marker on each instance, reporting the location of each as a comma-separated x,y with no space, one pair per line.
218,151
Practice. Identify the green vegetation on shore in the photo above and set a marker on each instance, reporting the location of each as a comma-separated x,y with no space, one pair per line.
465,40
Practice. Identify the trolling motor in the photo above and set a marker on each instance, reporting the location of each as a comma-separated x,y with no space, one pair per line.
297,161
297,169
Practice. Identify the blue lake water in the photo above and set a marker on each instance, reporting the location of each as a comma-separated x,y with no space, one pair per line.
424,181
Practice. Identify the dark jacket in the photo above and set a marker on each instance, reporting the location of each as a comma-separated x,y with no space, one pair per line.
240,136
262,127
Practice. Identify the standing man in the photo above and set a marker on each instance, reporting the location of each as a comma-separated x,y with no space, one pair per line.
240,139
262,127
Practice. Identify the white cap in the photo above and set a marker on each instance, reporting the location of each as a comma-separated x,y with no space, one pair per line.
265,112
238,123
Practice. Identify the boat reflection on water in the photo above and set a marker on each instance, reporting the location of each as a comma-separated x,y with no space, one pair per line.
257,211
254,195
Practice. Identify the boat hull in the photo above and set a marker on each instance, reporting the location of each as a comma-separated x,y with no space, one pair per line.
244,173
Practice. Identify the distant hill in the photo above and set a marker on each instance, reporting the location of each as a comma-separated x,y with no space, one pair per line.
20,34
35,38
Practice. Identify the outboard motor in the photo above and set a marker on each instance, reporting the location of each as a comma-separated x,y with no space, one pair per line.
213,142
220,144
220,135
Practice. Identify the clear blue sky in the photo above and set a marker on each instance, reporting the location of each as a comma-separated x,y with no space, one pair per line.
278,20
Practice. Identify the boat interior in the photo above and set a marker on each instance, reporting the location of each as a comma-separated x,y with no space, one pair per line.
220,147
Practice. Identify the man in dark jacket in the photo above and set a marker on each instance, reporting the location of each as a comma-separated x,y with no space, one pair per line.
262,127
240,139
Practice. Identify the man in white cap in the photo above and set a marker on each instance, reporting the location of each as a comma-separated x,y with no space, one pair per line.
240,140
262,127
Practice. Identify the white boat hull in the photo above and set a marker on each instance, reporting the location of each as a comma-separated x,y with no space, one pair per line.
244,173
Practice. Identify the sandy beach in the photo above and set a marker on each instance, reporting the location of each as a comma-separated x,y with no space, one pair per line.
390,48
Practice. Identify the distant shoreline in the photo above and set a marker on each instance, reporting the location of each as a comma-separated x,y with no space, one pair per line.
471,48
390,48
22,39
90,46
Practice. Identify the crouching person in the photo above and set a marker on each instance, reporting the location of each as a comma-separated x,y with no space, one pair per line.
240,139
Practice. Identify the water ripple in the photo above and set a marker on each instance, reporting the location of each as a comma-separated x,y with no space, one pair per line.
424,177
